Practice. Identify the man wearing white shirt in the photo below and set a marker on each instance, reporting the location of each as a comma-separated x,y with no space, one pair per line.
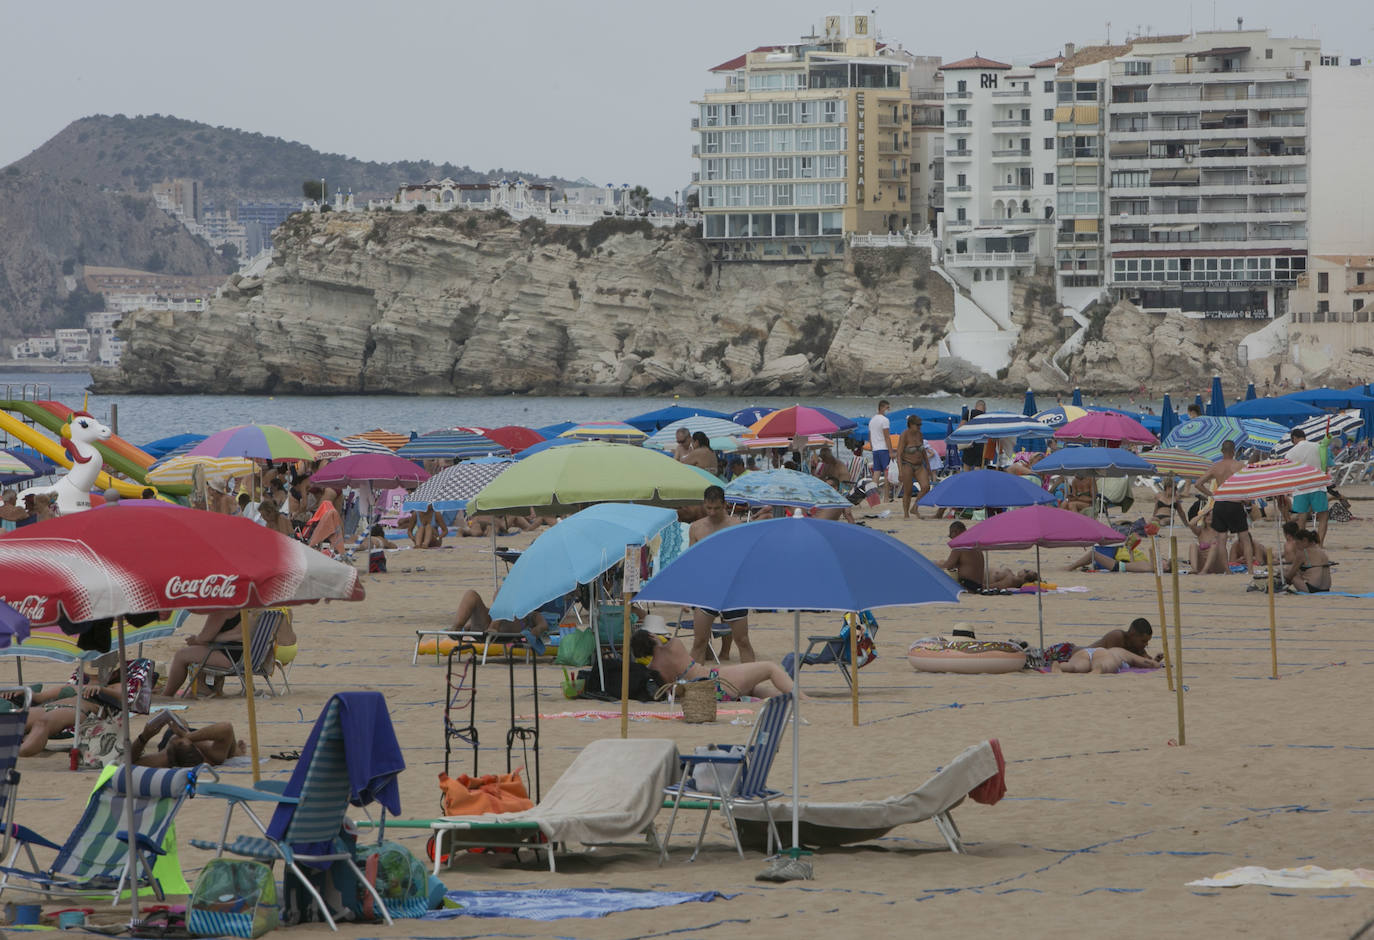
878,426
1311,501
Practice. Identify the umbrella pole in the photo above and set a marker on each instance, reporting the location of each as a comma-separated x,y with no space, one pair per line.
131,863
1163,623
853,665
1273,625
625,665
1039,601
796,732
1178,641
247,664
495,574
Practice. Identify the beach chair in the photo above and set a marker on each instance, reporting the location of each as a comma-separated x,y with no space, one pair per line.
310,808
95,856
262,646
747,773
978,771
12,725
609,794
836,649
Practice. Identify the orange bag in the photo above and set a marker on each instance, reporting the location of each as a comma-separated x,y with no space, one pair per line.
491,793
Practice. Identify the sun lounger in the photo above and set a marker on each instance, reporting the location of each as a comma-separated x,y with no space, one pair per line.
833,824
611,793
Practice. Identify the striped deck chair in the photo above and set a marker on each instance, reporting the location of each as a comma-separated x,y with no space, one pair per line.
748,781
95,856
305,825
262,648
12,725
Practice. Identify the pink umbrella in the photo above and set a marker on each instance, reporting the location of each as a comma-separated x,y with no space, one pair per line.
1037,526
382,470
1106,426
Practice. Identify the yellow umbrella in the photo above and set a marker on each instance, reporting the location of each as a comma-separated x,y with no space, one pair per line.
217,470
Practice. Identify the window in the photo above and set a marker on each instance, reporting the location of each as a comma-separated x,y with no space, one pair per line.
712,197
1049,86
962,179
832,138
1025,114
1323,282
1085,91
1049,143
1079,202
1359,277
805,194
961,115
832,112
758,168
806,139
832,223
758,194
734,114
832,166
782,141
734,195
735,141
782,194
1049,179
1137,68
961,214
807,112
830,194
782,112
710,142
1357,303
735,168
782,170
1064,92
1268,53
1323,306
1025,145
806,168
1130,178
758,113
1049,114
962,86
711,169
758,142
710,115
1331,60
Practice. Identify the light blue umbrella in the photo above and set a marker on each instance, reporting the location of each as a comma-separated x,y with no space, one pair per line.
1264,435
724,434
579,549
1203,436
1099,461
783,487
800,564
997,425
984,489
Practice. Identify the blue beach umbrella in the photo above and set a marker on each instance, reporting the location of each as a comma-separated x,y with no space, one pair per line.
1250,392
450,445
747,416
1283,410
1099,461
1201,405
783,487
545,445
579,549
14,626
985,489
801,564
1077,400
1331,398
1216,408
1028,406
1167,419
163,446
1203,436
551,431
934,424
652,421
996,425
1264,435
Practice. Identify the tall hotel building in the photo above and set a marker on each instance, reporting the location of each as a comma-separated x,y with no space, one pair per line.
805,143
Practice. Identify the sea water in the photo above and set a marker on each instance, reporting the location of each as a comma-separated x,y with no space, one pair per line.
143,418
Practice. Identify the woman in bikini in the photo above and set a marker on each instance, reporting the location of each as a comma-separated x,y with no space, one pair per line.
671,660
1310,572
912,464
833,473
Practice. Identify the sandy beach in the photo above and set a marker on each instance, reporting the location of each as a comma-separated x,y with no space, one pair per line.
1105,820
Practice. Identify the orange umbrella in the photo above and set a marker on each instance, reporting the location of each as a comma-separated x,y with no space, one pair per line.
386,438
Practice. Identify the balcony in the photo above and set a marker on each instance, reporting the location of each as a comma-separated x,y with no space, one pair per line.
1012,122
958,124
696,124
696,150
1013,93
996,259
955,154
958,94
1012,188
1014,153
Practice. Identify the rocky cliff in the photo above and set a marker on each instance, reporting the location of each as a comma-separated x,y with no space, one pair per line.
471,303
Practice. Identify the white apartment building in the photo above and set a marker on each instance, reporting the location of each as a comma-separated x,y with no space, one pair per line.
1000,163
35,347
1200,201
73,345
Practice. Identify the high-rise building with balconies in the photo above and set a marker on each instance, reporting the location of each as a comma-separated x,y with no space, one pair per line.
806,143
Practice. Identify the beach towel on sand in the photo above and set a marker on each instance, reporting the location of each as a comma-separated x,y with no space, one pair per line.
1308,876
610,793
551,904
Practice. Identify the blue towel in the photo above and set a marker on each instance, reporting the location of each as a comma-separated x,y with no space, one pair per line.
552,904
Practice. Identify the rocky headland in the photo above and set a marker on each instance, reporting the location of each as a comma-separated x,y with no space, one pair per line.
474,303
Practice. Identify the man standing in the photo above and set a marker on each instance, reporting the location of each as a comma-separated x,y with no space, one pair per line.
973,453
713,503
1314,500
878,430
1228,516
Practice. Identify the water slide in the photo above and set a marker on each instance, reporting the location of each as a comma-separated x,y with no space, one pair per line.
118,454
116,444
31,437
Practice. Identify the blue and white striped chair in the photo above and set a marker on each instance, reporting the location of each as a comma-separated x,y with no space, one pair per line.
96,855
262,646
306,823
12,725
747,783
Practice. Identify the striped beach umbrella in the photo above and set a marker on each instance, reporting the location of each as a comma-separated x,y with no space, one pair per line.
1099,461
452,487
1264,435
1172,461
617,431
1105,426
17,467
255,442
1203,436
362,445
784,487
717,429
766,443
1347,422
1059,415
449,444
1270,478
177,471
389,439
801,419
996,425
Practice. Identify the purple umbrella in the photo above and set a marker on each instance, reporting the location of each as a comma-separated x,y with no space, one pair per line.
1037,526
385,471
14,626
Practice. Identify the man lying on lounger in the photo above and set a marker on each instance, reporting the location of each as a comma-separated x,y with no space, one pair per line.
671,660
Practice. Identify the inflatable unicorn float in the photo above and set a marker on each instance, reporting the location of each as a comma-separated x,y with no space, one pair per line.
72,493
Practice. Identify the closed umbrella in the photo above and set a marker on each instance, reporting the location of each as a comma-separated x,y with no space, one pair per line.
1028,405
1204,436
801,564
783,487
1216,406
1167,419
1077,397
1038,526
1105,426
452,487
1250,392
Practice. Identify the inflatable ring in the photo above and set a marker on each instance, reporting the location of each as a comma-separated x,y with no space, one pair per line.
965,656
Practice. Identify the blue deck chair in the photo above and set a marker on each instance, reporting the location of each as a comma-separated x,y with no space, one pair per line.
351,756
747,783
95,856
12,724
825,650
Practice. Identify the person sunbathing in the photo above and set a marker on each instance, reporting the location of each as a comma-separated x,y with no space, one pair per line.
1005,579
182,747
1134,639
1129,557
1310,572
52,710
473,616
671,660
1103,661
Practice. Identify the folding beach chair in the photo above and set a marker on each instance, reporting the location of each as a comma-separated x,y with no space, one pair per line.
262,647
836,649
310,808
95,856
12,724
610,793
747,773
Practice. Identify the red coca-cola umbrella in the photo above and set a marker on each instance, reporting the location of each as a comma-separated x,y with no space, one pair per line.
144,556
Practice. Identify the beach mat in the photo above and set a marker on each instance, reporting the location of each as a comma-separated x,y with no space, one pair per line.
556,903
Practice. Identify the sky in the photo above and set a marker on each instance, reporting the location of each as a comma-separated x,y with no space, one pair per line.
600,89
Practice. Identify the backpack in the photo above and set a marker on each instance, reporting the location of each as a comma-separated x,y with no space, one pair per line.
644,682
233,898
